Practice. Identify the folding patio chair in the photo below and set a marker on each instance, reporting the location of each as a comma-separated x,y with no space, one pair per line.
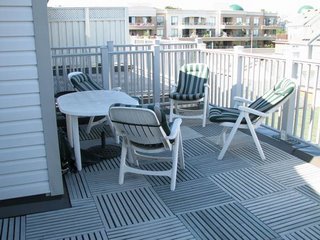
192,88
145,132
251,116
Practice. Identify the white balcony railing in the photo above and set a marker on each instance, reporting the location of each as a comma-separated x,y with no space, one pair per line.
149,70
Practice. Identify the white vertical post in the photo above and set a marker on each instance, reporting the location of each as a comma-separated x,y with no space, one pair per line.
288,108
105,61
237,73
200,46
156,73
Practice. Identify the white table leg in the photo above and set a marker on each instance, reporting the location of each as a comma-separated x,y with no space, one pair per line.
69,129
76,141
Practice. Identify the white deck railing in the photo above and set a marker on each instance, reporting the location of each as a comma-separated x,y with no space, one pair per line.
148,71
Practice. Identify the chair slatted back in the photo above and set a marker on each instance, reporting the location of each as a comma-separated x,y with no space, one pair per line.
270,101
83,82
192,78
138,125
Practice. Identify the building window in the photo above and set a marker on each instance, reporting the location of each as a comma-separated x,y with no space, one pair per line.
248,21
256,21
239,21
255,32
160,32
174,32
132,20
160,20
174,20
211,21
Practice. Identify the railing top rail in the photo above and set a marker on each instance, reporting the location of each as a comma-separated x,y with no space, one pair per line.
76,55
181,50
308,61
133,45
76,47
130,52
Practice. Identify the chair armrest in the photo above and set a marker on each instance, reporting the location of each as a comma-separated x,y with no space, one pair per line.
175,129
241,100
253,111
118,89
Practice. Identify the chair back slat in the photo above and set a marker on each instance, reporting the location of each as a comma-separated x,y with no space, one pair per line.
271,100
83,82
138,125
192,78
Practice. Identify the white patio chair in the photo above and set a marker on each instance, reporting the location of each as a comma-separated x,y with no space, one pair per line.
251,116
82,82
144,133
192,88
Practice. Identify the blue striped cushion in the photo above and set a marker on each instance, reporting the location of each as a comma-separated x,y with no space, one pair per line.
263,104
157,110
82,82
192,78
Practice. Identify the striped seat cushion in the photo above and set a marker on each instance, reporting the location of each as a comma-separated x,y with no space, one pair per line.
192,78
268,101
83,82
157,110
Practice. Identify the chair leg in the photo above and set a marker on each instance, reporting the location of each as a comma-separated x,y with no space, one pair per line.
171,111
175,153
223,136
231,135
255,137
124,151
90,124
181,155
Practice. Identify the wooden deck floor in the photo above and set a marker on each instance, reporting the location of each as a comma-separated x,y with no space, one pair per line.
239,197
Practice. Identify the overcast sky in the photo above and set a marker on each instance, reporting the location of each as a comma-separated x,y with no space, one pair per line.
283,7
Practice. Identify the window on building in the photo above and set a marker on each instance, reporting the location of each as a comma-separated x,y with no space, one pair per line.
256,21
160,32
132,20
174,20
186,21
239,21
211,21
248,21
174,32
160,20
255,32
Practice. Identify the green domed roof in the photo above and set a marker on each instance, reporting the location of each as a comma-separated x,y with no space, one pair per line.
305,8
236,7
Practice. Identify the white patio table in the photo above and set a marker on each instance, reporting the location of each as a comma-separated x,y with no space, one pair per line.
88,104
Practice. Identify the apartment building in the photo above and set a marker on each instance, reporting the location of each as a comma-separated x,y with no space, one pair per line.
217,28
142,21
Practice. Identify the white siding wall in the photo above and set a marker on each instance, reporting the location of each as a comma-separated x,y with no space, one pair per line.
69,27
23,163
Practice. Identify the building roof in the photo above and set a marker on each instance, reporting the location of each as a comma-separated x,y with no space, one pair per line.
305,8
236,7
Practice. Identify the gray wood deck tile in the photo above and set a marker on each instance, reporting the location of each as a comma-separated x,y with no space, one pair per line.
198,146
108,181
230,221
208,131
96,235
308,233
209,164
95,132
77,186
310,192
183,175
13,228
293,172
165,229
130,207
285,211
246,183
60,223
193,195
108,164
250,153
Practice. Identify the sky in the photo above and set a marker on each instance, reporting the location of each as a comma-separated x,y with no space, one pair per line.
285,8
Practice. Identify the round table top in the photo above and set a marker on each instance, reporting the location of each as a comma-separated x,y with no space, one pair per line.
92,103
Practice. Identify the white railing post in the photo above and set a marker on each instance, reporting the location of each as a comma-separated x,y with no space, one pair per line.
156,73
288,108
201,46
237,73
105,62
